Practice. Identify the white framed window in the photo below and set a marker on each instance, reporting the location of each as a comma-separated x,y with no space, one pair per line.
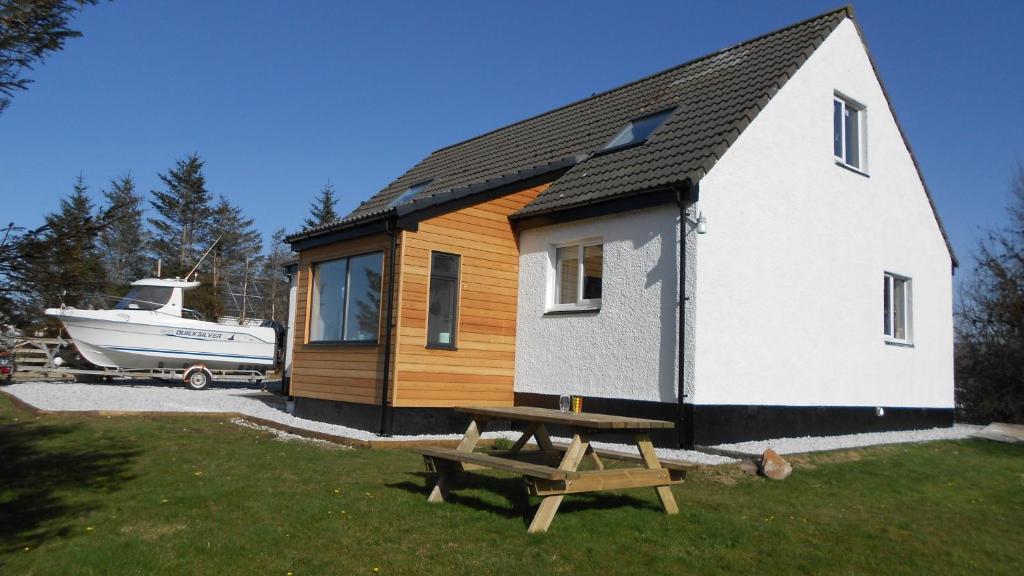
896,307
849,142
579,271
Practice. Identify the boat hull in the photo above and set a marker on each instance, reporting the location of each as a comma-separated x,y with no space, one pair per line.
144,341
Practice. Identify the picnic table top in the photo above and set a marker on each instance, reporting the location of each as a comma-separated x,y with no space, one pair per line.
581,420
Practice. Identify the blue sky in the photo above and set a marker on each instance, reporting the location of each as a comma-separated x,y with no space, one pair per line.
279,97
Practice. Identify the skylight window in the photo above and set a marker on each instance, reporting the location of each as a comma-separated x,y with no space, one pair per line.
410,193
637,131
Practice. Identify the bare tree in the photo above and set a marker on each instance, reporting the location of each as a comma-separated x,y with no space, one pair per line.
990,323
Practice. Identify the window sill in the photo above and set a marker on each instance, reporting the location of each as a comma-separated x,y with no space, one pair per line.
576,310
441,347
842,164
341,343
899,343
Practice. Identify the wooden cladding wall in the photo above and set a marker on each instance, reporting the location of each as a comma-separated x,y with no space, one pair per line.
347,372
481,369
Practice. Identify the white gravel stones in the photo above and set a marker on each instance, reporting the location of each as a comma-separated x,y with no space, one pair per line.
283,436
691,456
151,396
146,396
820,443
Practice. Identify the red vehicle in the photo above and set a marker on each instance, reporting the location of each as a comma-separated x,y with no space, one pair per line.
6,366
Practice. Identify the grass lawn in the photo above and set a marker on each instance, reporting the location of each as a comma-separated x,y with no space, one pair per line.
191,495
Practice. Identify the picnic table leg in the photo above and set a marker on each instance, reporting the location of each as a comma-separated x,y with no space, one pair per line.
668,501
549,505
544,442
527,434
469,440
595,458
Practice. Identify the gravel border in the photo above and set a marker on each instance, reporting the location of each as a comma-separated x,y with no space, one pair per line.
245,399
249,400
822,443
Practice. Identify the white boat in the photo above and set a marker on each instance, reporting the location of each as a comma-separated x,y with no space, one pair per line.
146,331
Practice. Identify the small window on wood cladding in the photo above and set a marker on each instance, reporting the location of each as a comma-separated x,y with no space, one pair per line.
442,314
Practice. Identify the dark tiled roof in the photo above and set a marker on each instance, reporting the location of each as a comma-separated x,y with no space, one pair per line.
714,97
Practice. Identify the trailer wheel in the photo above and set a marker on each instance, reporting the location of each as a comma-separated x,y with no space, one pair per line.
197,377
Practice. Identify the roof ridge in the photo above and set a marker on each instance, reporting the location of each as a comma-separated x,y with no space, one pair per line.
848,8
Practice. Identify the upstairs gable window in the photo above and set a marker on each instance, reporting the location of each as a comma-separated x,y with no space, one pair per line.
848,142
637,131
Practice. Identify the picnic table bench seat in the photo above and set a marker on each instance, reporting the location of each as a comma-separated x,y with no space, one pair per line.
630,457
433,453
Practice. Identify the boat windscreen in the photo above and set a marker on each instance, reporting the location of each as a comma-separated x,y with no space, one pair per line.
145,298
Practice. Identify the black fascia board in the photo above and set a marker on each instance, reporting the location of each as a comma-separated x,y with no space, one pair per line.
458,198
375,226
605,207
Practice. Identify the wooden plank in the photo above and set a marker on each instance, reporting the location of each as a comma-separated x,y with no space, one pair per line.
582,420
629,457
601,480
527,434
549,505
668,501
493,462
454,378
544,442
469,441
446,403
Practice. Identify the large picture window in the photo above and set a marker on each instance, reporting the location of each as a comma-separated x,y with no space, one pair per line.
346,299
579,270
442,315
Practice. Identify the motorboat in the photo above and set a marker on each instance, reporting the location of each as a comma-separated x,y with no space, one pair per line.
148,330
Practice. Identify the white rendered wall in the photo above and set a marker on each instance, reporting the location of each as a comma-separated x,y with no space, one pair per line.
626,350
790,280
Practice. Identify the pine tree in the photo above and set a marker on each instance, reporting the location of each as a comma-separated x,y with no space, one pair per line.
126,240
322,209
237,250
183,216
272,276
29,30
58,262
75,261
63,263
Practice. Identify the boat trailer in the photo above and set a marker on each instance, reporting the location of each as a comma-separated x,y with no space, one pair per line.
42,356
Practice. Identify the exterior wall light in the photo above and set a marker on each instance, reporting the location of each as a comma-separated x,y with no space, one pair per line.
702,224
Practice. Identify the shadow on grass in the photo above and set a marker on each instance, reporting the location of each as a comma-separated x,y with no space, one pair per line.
518,503
39,470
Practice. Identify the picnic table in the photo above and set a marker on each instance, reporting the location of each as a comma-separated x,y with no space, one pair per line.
553,482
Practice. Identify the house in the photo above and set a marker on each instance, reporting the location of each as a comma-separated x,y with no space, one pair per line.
770,181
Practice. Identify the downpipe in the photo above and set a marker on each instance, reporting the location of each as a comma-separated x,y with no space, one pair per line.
389,328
